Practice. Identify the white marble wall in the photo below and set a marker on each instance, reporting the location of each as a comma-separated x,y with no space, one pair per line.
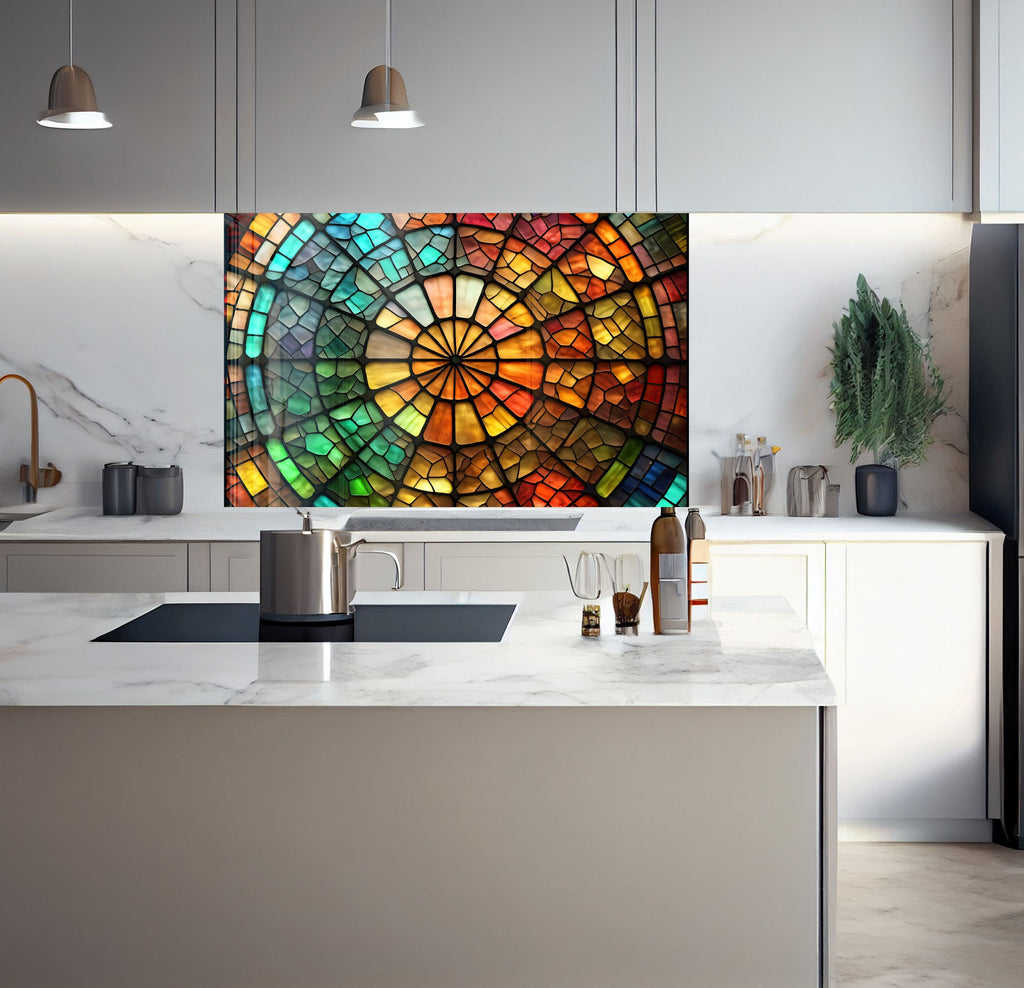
764,292
117,321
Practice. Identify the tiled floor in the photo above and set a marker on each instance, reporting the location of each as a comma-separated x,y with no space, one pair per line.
941,915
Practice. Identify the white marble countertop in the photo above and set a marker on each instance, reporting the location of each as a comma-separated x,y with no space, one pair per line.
749,654
595,525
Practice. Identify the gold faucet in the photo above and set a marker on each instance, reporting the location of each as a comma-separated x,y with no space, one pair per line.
30,477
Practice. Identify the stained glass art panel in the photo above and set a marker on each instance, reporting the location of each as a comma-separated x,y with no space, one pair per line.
456,359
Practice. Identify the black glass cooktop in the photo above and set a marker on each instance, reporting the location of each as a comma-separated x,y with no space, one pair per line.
238,622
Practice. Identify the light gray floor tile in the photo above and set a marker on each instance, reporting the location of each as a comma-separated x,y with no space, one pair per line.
942,915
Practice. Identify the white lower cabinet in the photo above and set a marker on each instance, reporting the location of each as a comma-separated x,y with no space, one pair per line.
794,571
912,733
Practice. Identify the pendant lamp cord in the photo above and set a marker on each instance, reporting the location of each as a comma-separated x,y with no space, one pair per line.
71,32
387,53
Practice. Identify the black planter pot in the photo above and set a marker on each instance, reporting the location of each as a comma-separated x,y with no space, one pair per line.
878,489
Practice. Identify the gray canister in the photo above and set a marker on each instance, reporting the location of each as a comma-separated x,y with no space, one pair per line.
119,488
159,491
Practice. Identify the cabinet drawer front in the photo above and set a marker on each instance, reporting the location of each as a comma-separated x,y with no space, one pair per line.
97,569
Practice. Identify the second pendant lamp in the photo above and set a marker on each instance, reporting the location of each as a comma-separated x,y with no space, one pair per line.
72,103
385,102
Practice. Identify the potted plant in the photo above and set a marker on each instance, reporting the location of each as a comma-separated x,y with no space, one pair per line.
886,393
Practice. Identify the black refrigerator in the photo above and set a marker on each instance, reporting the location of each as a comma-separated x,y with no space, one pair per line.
996,416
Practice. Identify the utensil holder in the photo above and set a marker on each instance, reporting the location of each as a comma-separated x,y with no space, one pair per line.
626,606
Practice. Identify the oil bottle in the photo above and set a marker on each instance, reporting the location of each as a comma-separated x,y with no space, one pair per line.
668,574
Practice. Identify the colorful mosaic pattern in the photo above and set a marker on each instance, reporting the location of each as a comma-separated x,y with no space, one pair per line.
465,359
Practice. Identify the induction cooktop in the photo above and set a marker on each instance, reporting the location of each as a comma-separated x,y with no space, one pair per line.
240,622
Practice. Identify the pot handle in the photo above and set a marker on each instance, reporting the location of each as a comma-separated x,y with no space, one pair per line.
386,552
340,546
343,547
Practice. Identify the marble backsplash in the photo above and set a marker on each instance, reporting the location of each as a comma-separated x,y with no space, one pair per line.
117,320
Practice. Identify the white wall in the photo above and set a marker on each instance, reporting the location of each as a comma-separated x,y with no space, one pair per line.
117,321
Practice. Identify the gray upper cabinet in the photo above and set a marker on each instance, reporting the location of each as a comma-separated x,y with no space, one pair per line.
153,69
518,98
999,54
530,105
800,105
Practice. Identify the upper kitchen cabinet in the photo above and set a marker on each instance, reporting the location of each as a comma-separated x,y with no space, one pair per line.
999,107
153,69
518,99
804,106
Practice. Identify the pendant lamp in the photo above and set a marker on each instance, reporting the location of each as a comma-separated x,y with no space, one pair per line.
72,103
385,102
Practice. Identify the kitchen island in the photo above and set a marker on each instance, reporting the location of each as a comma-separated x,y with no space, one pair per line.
544,810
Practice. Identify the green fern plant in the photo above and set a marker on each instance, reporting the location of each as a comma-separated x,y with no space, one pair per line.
886,391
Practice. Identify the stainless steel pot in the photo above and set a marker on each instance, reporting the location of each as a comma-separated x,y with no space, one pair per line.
307,573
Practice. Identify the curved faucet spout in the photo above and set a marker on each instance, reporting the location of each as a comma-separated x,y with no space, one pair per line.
30,477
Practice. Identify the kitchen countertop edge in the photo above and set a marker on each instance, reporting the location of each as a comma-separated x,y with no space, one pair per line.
600,525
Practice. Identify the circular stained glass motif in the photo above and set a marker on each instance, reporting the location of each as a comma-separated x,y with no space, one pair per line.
456,359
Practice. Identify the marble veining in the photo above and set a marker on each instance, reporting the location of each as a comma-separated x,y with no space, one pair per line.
117,355
745,656
937,306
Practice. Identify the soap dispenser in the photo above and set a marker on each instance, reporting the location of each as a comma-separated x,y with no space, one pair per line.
668,574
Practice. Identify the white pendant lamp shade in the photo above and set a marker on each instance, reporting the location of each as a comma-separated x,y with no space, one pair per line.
385,103
72,103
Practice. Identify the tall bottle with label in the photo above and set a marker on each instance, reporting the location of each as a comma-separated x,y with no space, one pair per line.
668,574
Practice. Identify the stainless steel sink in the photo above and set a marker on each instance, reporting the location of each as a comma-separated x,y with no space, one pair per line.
18,512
